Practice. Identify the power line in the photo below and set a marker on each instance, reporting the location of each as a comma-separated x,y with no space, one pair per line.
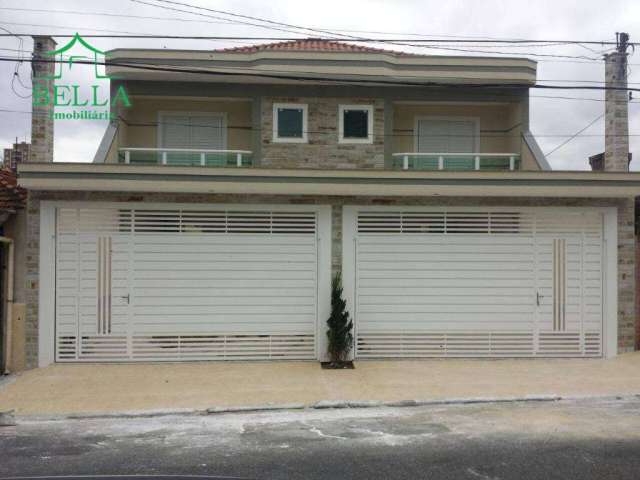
117,15
444,39
350,37
324,132
574,136
331,31
303,78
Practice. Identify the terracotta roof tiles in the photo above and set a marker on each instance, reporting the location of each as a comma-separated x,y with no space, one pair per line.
311,45
12,196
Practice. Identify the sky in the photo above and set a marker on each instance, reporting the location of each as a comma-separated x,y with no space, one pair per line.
553,120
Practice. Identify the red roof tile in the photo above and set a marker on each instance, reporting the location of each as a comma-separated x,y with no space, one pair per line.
12,197
310,45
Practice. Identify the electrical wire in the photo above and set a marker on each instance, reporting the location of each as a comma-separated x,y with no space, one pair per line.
304,78
578,133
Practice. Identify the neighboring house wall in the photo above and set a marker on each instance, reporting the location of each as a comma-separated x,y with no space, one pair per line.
322,149
626,239
16,229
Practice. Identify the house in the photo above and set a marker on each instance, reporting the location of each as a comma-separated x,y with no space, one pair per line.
219,205
12,271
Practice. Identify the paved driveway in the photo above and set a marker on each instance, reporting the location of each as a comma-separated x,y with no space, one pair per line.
92,388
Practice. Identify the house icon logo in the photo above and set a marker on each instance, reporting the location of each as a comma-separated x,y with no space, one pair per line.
72,97
65,61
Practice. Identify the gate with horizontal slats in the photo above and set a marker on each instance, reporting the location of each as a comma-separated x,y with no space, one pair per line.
179,284
478,283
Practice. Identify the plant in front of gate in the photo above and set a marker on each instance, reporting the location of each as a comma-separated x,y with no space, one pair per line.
340,325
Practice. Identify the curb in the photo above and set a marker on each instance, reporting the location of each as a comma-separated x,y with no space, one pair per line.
322,405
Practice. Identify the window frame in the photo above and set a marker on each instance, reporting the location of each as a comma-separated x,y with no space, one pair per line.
366,108
475,120
305,123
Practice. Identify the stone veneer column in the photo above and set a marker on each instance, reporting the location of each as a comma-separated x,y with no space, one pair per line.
616,156
41,120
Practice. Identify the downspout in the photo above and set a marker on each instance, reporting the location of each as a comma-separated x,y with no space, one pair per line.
8,306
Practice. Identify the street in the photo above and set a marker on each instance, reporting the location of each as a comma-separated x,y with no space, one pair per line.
585,439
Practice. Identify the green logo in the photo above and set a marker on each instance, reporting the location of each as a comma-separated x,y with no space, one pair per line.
72,100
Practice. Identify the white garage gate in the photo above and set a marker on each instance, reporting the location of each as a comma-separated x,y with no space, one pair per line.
144,282
476,282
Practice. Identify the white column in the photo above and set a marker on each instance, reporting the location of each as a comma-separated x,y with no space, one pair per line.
164,158
127,156
239,160
202,158
405,162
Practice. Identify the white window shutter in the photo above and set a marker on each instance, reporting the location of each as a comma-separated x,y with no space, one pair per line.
446,136
462,136
207,132
175,131
432,136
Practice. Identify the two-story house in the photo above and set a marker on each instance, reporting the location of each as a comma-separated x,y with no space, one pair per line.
222,201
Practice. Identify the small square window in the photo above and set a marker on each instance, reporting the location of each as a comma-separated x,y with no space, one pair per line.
356,124
290,123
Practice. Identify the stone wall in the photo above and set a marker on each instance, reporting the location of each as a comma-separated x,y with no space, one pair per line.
322,149
41,121
626,239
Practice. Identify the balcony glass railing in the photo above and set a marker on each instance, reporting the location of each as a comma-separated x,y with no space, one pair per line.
185,157
456,161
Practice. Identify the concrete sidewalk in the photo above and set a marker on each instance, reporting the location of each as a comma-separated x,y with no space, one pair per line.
94,388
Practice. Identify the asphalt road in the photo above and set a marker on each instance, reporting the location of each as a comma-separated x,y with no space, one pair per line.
583,440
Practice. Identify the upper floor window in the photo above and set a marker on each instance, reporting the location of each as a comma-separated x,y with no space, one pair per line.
447,135
290,123
355,124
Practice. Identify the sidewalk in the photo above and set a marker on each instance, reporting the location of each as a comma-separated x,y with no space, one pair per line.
94,388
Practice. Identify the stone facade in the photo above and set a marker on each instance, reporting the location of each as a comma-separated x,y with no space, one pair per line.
626,246
322,149
41,121
616,114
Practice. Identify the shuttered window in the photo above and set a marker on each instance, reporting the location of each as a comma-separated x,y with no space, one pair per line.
191,131
435,135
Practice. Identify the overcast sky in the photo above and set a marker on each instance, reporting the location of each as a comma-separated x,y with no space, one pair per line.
541,19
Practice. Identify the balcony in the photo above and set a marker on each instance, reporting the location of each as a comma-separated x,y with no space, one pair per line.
456,161
185,157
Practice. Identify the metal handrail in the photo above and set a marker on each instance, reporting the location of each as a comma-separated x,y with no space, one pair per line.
164,151
443,155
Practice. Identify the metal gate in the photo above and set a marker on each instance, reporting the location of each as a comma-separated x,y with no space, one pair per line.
474,283
136,284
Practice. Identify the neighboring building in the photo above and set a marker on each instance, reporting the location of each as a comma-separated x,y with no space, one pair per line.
221,203
12,272
15,155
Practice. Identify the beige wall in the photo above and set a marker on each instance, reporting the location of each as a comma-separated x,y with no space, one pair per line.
500,129
145,111
494,121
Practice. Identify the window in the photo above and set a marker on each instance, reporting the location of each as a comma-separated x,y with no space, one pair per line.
355,124
446,135
190,131
289,123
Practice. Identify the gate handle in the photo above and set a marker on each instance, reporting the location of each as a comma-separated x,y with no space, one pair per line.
126,297
538,297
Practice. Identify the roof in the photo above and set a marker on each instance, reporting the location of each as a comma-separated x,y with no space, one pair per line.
312,45
12,196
